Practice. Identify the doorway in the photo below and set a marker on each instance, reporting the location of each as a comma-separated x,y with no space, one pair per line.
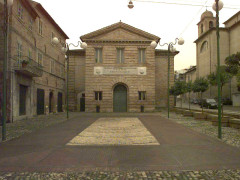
22,100
60,102
40,101
120,98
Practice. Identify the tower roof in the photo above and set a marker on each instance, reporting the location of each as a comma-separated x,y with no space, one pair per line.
206,14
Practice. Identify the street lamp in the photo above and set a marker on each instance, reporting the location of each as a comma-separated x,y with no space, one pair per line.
7,4
217,6
130,4
65,49
171,48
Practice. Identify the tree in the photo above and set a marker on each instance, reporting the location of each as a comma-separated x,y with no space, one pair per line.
233,65
225,78
179,88
200,85
189,86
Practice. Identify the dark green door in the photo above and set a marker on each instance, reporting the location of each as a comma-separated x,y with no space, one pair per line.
120,99
40,101
22,100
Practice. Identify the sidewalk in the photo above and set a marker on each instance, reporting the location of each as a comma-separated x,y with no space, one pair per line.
226,108
18,128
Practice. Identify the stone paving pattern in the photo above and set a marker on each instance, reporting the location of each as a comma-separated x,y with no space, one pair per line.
115,131
230,135
28,125
141,175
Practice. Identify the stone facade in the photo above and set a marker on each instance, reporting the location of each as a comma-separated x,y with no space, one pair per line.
87,77
206,45
41,83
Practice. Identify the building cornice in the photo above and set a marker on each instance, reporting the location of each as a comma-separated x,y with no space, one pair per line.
122,25
232,17
51,20
207,32
118,41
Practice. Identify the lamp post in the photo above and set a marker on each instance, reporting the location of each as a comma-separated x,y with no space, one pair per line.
7,3
171,48
217,6
65,49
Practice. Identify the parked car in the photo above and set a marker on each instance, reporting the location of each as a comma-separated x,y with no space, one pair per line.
194,101
209,103
225,101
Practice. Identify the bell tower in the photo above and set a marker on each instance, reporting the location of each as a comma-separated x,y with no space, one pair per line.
207,22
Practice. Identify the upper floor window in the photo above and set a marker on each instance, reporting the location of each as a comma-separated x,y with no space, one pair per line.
52,36
20,11
98,55
201,28
52,64
30,53
19,51
98,95
120,55
141,95
141,56
30,24
40,58
204,47
40,27
210,24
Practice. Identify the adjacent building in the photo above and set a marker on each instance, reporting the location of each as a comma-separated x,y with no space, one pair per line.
36,67
206,45
119,72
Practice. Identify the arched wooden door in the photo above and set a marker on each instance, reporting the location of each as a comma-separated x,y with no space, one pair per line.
120,99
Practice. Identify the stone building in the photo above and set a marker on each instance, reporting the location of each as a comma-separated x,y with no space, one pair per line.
36,67
206,45
119,72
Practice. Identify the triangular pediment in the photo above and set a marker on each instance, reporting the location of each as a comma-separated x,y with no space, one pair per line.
120,31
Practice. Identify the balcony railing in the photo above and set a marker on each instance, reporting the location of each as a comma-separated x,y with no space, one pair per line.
28,67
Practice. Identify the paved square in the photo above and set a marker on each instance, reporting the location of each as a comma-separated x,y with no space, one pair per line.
115,131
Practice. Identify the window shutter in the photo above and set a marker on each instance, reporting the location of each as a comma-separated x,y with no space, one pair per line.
139,56
100,55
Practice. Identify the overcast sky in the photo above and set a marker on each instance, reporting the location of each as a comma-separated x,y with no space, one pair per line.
79,17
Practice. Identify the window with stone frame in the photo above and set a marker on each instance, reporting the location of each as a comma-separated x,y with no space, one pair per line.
52,36
30,26
210,24
120,55
40,27
30,53
20,10
98,95
201,28
19,51
141,55
40,58
141,95
98,55
52,66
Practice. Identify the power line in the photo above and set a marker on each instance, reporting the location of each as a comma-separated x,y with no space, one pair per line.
197,15
186,4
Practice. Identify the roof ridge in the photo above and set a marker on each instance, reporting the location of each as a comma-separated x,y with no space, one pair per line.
117,25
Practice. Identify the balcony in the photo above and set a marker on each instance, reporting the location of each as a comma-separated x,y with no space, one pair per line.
28,67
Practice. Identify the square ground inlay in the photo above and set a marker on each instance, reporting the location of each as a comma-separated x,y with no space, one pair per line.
115,131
